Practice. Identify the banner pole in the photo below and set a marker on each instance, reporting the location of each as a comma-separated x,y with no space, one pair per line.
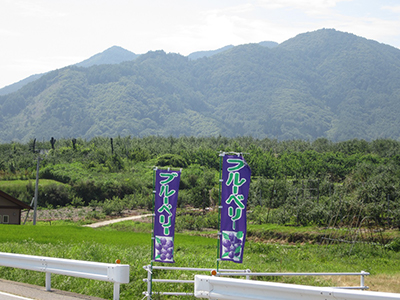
152,236
221,155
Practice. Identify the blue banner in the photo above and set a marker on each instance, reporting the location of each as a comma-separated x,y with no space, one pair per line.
234,193
166,199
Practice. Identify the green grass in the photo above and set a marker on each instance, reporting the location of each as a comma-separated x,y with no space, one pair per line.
71,234
130,242
22,183
132,226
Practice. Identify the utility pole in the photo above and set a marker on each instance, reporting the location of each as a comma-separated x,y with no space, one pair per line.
36,191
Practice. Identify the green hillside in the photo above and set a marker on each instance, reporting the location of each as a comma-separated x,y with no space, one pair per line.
319,84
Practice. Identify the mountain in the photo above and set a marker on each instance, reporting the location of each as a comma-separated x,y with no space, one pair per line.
113,55
268,44
16,86
201,54
324,83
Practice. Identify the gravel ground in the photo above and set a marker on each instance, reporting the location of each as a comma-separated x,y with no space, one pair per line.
87,214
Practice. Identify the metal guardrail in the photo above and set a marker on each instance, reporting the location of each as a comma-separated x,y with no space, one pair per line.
234,272
361,274
115,273
212,287
150,280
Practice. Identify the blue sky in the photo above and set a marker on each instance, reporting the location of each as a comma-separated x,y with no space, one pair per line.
42,35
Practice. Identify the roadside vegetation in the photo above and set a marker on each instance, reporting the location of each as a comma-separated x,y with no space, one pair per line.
129,241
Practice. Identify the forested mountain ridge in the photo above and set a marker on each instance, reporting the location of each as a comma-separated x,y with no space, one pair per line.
112,55
318,84
201,54
19,84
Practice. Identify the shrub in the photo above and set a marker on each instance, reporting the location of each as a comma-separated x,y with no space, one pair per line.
196,220
113,206
172,160
77,201
394,245
55,194
134,201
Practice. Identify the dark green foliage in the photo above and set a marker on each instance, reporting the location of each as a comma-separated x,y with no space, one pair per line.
113,206
55,195
394,245
196,220
293,182
172,160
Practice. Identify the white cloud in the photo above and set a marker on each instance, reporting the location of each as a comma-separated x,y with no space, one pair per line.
395,9
308,6
37,9
8,33
238,9
372,28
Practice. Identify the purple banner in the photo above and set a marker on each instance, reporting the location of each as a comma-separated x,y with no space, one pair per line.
166,198
234,192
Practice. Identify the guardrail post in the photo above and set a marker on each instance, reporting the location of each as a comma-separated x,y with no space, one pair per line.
248,276
149,279
149,270
116,291
48,281
362,283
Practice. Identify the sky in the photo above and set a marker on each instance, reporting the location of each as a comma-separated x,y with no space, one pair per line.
38,36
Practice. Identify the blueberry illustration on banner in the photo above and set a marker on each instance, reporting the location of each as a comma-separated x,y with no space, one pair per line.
166,198
236,176
164,249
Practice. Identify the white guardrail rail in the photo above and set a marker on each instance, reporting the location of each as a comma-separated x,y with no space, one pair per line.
115,273
234,272
211,287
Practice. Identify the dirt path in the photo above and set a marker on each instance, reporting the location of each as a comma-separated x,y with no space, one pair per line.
104,223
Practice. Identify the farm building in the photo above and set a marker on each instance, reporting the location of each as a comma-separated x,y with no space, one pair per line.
10,209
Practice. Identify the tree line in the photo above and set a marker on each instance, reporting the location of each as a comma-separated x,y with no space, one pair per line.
296,181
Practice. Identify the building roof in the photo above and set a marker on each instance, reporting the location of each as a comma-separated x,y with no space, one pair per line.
10,198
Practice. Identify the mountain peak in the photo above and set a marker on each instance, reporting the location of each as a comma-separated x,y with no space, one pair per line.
321,40
112,55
